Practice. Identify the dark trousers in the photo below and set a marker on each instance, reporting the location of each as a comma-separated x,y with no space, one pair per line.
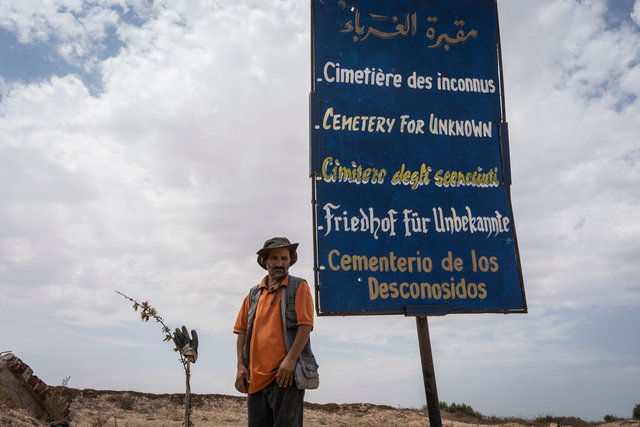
274,406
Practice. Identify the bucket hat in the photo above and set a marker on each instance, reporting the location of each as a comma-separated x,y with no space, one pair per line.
275,243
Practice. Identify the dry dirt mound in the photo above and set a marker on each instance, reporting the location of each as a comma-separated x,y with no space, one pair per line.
96,408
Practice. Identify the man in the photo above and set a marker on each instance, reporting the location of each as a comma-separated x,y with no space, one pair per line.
273,328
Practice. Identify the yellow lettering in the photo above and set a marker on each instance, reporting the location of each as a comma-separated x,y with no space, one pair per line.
373,288
446,293
327,115
482,294
402,264
329,177
423,286
393,289
494,264
345,262
384,290
403,293
373,263
331,264
415,290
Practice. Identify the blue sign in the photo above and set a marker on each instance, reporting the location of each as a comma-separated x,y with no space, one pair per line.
409,160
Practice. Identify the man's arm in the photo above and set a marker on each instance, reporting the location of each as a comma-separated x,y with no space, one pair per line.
284,376
242,376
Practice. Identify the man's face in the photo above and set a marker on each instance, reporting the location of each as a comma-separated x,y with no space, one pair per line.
278,262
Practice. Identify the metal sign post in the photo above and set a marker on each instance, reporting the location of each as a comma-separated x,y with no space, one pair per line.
428,372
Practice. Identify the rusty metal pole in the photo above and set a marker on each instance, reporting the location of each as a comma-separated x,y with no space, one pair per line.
428,372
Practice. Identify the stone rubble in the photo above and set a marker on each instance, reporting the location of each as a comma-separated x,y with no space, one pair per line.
30,392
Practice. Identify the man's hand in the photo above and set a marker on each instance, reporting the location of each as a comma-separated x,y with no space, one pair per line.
242,379
188,345
284,376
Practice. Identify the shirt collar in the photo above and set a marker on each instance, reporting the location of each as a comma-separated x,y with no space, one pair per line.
265,281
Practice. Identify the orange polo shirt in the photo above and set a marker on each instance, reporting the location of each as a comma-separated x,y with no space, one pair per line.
267,349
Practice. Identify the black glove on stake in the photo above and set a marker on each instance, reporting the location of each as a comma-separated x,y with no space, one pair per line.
188,345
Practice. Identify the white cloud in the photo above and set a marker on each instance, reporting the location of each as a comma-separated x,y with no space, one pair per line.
635,15
570,138
144,187
78,32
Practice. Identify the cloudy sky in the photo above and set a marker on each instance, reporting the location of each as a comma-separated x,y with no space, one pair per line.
152,146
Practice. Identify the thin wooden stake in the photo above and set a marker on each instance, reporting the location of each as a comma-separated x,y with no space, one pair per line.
187,397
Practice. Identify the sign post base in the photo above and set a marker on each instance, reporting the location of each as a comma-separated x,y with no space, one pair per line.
428,372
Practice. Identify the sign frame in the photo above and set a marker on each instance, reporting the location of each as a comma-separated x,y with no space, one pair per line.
316,98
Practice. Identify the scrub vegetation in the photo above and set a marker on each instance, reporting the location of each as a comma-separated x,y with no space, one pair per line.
466,413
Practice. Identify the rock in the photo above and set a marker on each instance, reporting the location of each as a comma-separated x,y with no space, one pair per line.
30,392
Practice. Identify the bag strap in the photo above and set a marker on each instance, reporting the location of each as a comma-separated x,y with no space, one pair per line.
291,289
254,296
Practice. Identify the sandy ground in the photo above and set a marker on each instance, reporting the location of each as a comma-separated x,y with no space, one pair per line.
95,408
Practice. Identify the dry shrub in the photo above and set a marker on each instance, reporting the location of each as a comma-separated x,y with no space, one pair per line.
124,401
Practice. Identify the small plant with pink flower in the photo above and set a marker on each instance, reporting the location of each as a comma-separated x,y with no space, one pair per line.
186,346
